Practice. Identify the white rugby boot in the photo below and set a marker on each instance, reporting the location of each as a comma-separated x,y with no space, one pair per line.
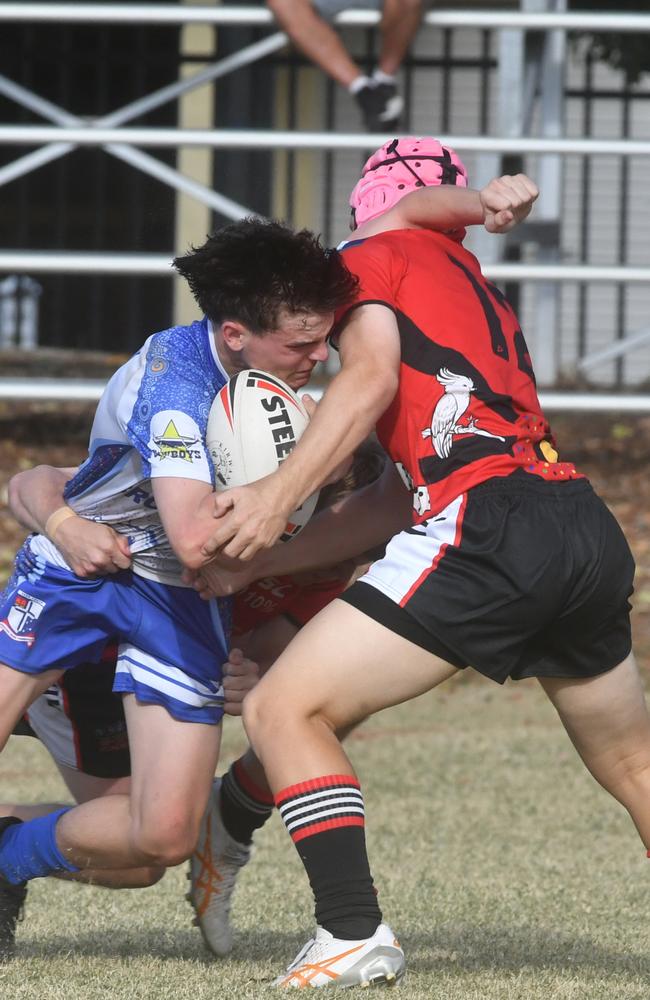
330,961
214,867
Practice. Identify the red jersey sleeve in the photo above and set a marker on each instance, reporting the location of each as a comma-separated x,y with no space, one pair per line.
380,267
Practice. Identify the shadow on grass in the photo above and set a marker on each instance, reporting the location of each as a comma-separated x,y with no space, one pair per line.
475,948
459,949
162,944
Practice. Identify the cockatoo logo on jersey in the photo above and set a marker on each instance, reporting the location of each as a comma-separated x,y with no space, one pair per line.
172,444
448,412
18,623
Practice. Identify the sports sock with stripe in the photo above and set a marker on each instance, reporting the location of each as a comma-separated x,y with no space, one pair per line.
245,807
325,819
29,850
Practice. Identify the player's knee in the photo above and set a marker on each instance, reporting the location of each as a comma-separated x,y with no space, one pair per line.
165,844
136,878
253,715
264,717
270,713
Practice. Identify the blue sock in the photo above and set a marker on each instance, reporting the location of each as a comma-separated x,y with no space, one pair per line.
29,850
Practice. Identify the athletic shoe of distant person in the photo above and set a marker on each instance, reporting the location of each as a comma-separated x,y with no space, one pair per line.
381,106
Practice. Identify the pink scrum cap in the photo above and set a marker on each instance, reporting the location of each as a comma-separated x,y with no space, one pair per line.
399,167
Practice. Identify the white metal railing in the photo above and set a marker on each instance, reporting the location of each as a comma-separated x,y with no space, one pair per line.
89,390
136,157
160,265
96,135
69,131
223,15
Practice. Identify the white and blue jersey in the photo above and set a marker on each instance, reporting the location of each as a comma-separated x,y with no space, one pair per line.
151,421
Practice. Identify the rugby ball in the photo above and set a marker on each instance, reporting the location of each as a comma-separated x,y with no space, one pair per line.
254,423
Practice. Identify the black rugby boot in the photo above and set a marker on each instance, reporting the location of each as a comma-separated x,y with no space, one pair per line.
12,898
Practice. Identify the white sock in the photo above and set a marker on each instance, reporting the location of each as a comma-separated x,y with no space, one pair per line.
359,83
380,77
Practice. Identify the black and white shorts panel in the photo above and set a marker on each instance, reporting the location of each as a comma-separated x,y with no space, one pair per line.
81,722
516,578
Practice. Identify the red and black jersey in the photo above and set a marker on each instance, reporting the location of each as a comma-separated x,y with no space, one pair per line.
282,595
466,409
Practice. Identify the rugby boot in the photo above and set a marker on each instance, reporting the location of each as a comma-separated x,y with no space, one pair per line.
330,961
214,868
12,898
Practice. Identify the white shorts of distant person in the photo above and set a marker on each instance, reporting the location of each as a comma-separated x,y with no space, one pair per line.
328,9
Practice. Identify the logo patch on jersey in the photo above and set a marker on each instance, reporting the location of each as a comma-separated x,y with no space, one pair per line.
222,461
450,410
548,451
158,365
290,531
421,500
171,444
18,623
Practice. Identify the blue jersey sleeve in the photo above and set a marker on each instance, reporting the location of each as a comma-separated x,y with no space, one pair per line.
169,417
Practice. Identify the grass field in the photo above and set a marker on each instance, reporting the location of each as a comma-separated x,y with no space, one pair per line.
507,873
505,870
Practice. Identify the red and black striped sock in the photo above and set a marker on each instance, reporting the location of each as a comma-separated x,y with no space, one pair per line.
244,806
325,818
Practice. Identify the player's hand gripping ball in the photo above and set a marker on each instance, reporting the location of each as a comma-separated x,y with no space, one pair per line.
254,423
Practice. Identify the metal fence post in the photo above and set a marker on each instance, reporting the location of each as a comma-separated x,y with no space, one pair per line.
19,312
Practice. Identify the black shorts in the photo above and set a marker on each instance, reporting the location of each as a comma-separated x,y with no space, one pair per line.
517,578
80,720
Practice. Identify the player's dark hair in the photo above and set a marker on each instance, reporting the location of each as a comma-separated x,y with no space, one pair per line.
251,270
368,463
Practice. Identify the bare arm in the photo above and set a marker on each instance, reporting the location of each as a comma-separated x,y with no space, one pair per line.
186,509
90,549
499,206
36,493
348,528
254,516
